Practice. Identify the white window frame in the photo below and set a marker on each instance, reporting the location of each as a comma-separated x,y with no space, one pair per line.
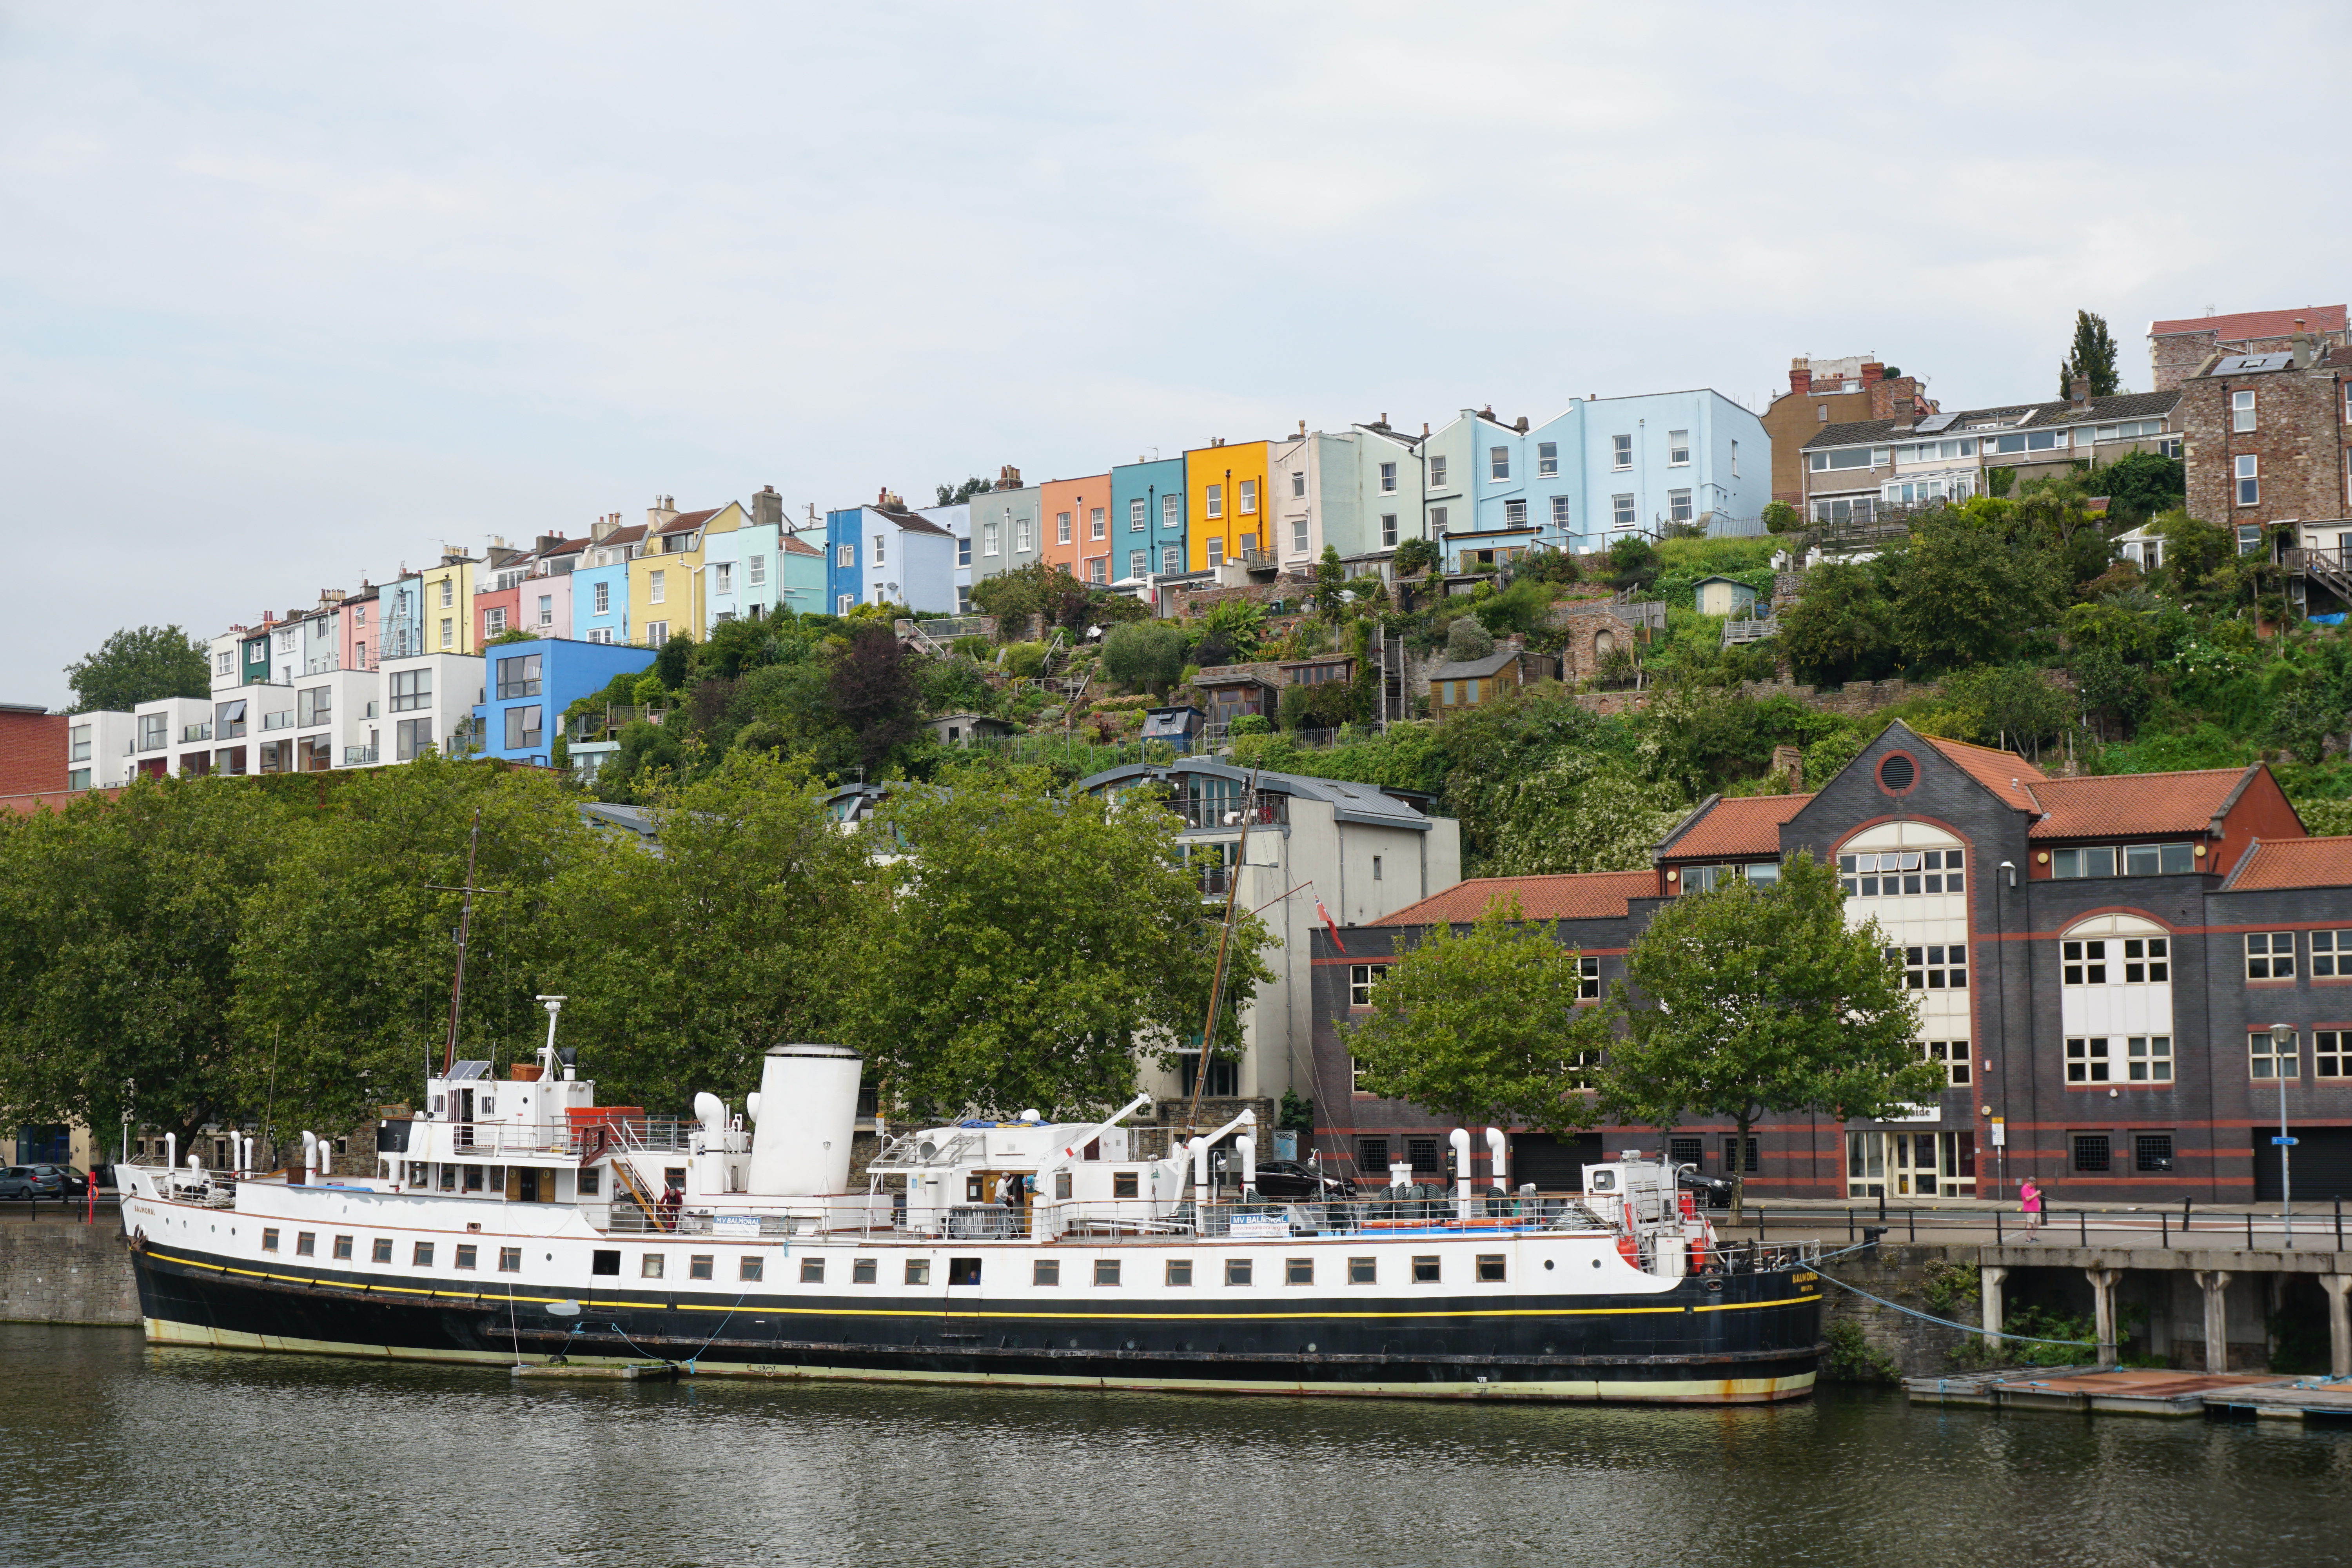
1098,523
1388,479
1679,448
657,586
1171,560
2242,413
2246,481
1299,530
1514,513
1135,519
1560,513
1167,511
1298,480
1621,513
988,539
1387,529
877,549
1248,498
1213,503
1061,527
846,555
1498,464
1678,506
1437,471
1021,545
757,575
1137,563
1620,453
1547,459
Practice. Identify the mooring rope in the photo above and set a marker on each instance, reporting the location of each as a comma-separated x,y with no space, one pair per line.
1947,1322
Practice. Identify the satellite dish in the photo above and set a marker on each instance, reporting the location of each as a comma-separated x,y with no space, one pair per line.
563,1309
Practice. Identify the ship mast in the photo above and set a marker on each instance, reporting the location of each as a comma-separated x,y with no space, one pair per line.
1224,941
464,930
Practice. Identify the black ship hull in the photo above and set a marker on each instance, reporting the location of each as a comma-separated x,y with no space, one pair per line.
1714,1339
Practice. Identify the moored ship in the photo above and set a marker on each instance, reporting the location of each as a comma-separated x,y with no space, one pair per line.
516,1221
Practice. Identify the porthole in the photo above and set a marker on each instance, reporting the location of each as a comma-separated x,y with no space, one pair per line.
1596,1263
1547,1263
1897,772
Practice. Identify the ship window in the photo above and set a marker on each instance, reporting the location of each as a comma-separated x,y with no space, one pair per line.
1061,1184
1363,1271
1046,1271
862,1271
1490,1268
269,1241
756,1269
1237,1270
448,1178
1106,1270
699,1265
1298,1271
473,1178
1123,1185
812,1270
919,1272
382,1252
1424,1270
466,1254
600,1261
591,1184
963,1270
343,1247
510,1259
421,1256
1179,1271
650,1267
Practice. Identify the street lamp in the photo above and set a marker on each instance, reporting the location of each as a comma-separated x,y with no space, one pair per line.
2282,1042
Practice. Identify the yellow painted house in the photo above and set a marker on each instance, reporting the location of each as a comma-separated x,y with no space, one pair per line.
667,594
448,617
1226,491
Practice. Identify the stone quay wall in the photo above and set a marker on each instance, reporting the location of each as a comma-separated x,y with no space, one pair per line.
54,1269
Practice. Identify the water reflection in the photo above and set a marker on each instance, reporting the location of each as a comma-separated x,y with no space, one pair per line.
118,1452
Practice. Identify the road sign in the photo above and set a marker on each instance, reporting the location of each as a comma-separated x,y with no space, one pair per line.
2286,1143
2000,1133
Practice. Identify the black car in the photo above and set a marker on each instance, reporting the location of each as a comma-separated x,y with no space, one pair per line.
42,1181
1295,1180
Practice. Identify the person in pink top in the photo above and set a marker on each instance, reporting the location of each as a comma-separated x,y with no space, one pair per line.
2029,1198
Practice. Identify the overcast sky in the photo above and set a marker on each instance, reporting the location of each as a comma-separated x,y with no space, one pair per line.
293,294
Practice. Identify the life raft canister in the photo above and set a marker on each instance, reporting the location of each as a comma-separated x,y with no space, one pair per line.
1630,1250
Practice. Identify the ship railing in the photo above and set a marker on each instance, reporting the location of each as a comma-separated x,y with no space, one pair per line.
209,1189
651,1134
1144,1220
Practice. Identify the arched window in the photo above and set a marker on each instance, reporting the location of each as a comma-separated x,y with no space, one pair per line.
2115,979
1604,643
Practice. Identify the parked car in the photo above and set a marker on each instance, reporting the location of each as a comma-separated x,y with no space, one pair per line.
1294,1179
42,1181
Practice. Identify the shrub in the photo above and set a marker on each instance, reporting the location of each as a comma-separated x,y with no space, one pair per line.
1854,1359
1148,655
1466,639
1415,555
1250,724
1780,517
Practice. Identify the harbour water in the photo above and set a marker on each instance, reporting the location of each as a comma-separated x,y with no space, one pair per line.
113,1452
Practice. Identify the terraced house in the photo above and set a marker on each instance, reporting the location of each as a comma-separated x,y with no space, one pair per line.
2100,964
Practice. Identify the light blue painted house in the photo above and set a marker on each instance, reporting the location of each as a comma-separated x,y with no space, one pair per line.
886,554
526,687
1601,469
599,583
1147,512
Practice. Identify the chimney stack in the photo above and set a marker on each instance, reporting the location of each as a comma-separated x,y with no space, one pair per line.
1801,375
1522,425
1008,477
660,513
2081,389
767,508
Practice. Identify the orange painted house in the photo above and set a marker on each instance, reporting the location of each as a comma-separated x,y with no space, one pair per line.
1070,510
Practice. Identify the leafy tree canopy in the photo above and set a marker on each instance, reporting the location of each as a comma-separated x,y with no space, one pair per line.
1484,1027
139,664
1758,1000
2092,355
1148,656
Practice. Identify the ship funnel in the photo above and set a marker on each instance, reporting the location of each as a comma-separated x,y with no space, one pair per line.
804,1148
751,1107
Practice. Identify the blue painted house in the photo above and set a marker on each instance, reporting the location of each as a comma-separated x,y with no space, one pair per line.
526,687
1146,511
599,583
1600,470
886,554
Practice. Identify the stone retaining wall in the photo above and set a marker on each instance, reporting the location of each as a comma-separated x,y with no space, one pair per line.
58,1270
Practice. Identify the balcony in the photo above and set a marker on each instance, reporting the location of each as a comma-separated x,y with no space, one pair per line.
191,732
359,756
1227,811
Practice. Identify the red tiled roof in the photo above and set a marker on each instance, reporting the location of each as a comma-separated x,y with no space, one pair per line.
628,535
1582,896
1746,824
2294,863
687,521
2257,323
791,545
564,547
2125,805
2005,774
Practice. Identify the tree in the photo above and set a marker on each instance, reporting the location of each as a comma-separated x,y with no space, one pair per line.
1146,655
956,495
675,661
2092,356
1052,595
2138,485
139,664
1415,555
1484,1027
1967,589
118,953
344,965
1633,561
685,958
1030,948
1330,577
1780,517
2013,706
874,694
1759,1000
1579,812
1840,627
1467,641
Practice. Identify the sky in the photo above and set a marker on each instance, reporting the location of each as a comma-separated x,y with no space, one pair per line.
292,295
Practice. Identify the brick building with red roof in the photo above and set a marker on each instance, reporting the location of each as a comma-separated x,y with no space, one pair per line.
2100,961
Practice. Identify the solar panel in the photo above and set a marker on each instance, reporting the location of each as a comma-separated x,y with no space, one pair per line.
1935,422
2249,365
469,1069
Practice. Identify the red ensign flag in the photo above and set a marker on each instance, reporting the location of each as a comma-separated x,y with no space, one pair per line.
1333,924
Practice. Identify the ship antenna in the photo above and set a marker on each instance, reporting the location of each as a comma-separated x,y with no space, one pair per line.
1224,940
